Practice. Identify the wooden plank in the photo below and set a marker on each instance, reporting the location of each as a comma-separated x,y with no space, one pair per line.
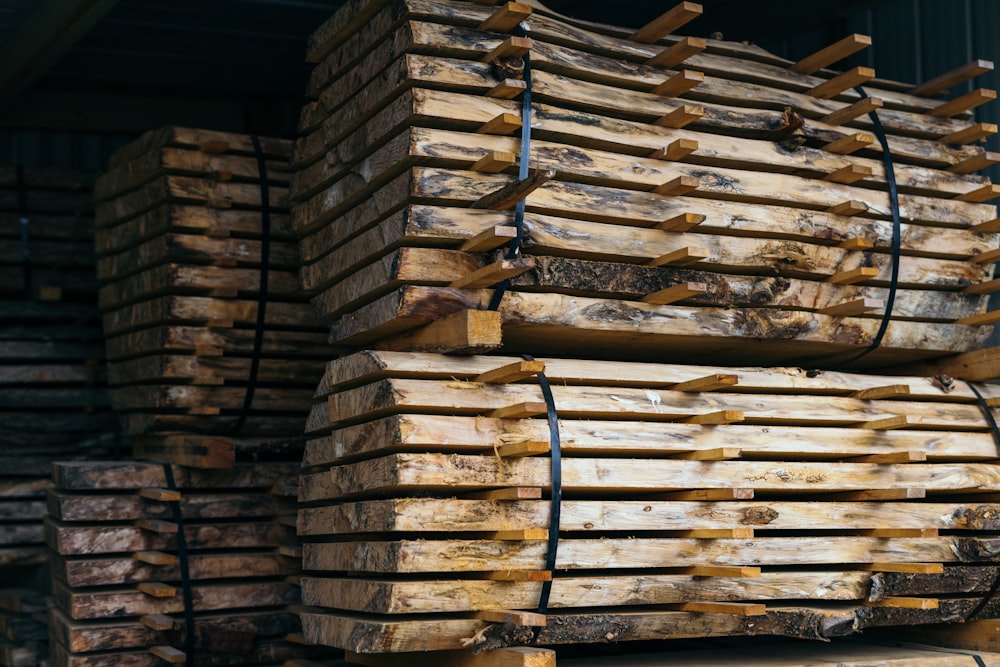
964,103
952,78
678,52
831,54
668,22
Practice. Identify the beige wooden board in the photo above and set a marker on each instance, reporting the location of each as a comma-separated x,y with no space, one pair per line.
416,515
187,137
406,473
73,540
122,571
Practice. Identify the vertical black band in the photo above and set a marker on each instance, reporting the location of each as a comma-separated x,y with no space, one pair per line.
182,561
265,259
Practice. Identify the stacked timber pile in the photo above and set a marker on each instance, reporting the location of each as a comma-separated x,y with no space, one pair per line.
695,502
212,349
119,564
682,197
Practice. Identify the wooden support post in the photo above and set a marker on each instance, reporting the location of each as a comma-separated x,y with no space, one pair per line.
705,494
512,372
508,196
975,163
677,53
523,410
502,124
733,608
676,150
973,133
720,571
893,493
512,493
852,276
154,557
678,84
494,273
854,307
676,293
715,418
979,195
889,423
850,143
982,319
507,89
168,654
848,208
940,84
666,23
988,287
506,17
712,382
494,162
515,450
512,47
490,239
904,603
156,589
862,107
717,454
835,86
681,116
678,186
467,331
528,618
159,622
963,103
879,393
848,174
680,257
908,456
831,54
681,223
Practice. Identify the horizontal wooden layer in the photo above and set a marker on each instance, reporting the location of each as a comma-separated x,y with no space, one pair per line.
469,555
204,341
196,138
212,370
426,515
266,651
212,399
543,324
407,473
256,424
135,475
128,570
195,505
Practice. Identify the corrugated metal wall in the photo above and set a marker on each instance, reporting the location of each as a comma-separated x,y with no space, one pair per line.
46,148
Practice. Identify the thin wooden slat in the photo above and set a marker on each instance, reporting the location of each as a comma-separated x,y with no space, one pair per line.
506,17
837,85
950,79
678,52
973,133
678,84
848,174
964,103
846,114
668,22
676,150
676,293
680,117
850,143
831,54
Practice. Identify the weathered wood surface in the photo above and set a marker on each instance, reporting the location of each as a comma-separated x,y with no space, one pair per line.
194,505
123,571
182,339
424,515
134,475
77,540
552,324
441,473
86,637
168,310
194,138
213,370
182,397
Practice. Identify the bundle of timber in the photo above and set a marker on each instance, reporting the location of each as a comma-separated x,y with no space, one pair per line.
209,336
692,501
680,196
124,537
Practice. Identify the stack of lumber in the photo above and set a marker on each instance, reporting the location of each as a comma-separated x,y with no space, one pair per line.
53,391
696,501
683,196
185,243
117,569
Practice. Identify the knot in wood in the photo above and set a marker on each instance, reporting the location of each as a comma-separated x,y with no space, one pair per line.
507,67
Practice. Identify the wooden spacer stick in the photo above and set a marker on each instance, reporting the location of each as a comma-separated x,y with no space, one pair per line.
900,532
490,239
732,608
717,454
214,146
856,244
963,103
168,654
678,84
521,449
512,372
831,54
681,116
893,493
465,331
885,391
667,22
718,417
676,293
157,526
708,383
501,124
156,589
715,533
852,276
989,287
850,143
848,208
677,53
848,174
973,133
991,317
508,196
680,257
515,575
681,223
915,568
510,47
975,163
908,456
154,557
494,273
889,423
523,410
507,89
979,195
704,494
676,150
494,162
835,86
523,535
162,495
512,493
854,307
986,257
528,618
904,603
159,622
940,84
720,571
678,186
849,113
506,17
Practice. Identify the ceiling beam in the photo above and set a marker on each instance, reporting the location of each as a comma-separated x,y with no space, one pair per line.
47,30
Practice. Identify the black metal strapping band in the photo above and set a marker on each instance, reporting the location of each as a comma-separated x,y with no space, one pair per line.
514,247
995,430
890,176
265,259
24,221
555,447
182,560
